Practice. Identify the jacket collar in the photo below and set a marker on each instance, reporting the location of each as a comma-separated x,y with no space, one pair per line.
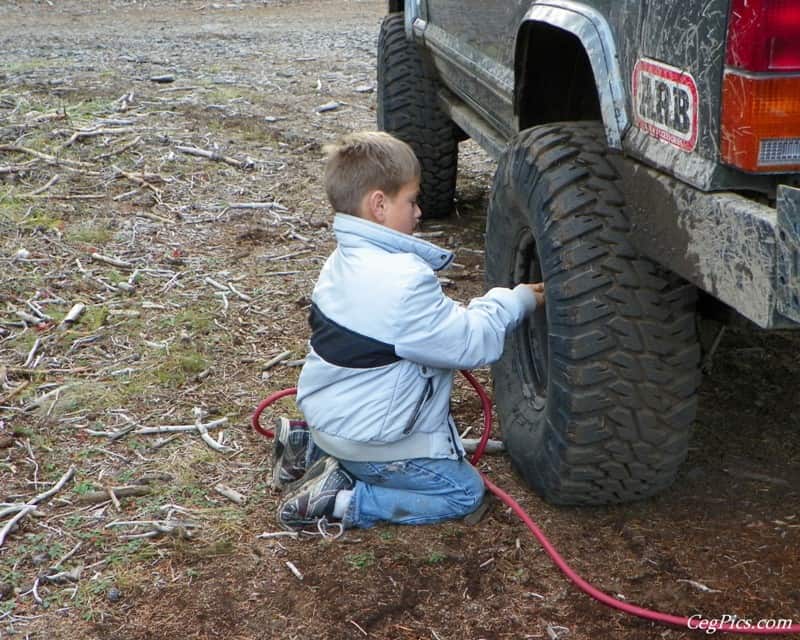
352,231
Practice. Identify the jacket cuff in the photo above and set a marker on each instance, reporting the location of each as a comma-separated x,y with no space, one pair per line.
526,297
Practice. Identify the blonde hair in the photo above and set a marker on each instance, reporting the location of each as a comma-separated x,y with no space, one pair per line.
365,161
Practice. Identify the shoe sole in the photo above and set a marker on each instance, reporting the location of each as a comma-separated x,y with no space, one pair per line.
306,483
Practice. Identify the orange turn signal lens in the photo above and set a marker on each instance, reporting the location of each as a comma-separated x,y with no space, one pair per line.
760,128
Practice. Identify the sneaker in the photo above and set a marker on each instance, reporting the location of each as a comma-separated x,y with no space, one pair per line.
289,451
314,497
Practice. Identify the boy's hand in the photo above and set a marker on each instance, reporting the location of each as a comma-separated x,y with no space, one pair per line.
538,291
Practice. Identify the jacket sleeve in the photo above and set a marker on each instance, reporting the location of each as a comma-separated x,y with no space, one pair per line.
437,331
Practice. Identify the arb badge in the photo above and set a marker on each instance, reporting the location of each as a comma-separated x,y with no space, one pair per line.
665,103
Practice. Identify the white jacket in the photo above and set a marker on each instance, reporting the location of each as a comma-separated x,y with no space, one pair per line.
385,341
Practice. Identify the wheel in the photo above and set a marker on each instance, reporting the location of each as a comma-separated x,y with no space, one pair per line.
596,393
408,108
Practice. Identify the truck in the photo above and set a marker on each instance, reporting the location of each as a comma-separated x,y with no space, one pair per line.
648,159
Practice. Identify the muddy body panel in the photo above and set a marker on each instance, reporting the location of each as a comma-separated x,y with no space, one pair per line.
652,72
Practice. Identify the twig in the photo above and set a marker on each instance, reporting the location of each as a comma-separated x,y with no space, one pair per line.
25,509
271,206
143,180
139,523
74,313
213,155
114,499
215,284
153,216
66,557
286,256
62,577
239,294
32,353
122,149
93,497
43,156
29,318
699,586
115,262
122,432
37,402
230,494
294,570
35,592
15,391
492,446
43,188
69,196
276,360
91,133
165,429
554,631
161,443
203,431
294,535
358,626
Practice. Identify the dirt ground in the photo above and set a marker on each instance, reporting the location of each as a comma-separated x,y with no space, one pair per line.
195,272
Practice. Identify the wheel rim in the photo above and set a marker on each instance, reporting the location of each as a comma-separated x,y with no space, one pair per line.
532,353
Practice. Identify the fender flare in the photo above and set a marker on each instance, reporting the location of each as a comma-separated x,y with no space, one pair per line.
594,33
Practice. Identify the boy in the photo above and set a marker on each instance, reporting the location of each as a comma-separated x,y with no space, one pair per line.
375,388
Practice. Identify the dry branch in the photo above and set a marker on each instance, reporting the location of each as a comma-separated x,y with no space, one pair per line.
43,188
24,509
91,133
144,180
270,206
37,402
295,571
128,491
203,431
276,360
43,156
230,494
15,392
217,157
165,429
121,149
115,262
492,446
74,313
153,216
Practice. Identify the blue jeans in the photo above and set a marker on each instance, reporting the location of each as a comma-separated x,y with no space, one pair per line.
416,491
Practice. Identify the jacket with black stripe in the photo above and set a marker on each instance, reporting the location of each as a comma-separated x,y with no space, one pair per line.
385,342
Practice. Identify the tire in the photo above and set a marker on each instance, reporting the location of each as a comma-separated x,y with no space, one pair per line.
408,108
597,392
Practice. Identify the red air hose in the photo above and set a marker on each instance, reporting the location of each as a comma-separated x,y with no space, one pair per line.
708,626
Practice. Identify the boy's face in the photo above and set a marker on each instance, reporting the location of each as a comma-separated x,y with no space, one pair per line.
400,212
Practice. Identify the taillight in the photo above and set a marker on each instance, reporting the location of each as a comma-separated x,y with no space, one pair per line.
761,87
764,35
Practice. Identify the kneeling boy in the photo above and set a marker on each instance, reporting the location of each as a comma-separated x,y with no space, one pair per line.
385,341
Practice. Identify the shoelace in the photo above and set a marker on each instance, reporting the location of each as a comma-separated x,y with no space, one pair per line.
324,528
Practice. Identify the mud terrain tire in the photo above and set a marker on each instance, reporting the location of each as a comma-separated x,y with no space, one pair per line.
596,393
409,109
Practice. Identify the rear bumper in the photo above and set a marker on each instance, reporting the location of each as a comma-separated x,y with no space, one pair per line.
740,251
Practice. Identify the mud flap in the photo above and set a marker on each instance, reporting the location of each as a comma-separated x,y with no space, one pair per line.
788,267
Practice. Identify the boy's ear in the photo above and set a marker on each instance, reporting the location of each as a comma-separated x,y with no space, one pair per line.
374,203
